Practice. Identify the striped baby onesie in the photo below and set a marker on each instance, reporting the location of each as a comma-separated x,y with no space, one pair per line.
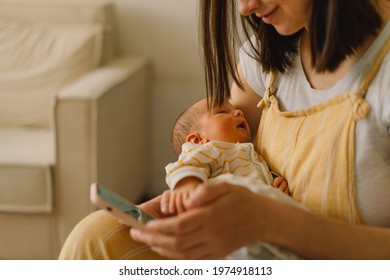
215,158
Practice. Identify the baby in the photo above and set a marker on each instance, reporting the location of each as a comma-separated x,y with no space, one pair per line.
215,146
210,144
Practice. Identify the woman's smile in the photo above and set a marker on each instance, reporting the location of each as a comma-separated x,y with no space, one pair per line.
267,18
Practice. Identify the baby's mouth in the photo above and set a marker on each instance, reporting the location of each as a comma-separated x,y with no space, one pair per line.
242,125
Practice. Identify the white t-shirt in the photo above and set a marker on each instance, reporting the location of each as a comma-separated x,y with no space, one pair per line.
372,133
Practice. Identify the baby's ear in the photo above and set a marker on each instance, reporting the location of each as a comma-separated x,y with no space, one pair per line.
196,138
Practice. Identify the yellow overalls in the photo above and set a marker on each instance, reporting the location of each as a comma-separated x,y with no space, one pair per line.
314,149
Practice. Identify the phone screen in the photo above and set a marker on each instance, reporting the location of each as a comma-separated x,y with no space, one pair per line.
123,205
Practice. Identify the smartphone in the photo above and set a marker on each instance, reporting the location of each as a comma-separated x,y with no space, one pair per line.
121,208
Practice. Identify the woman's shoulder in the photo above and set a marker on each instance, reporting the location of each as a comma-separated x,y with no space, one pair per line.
380,87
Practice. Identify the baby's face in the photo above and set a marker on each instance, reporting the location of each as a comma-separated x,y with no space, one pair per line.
225,123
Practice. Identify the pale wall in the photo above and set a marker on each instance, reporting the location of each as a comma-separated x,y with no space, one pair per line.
165,31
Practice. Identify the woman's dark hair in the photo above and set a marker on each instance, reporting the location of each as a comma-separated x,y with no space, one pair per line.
341,26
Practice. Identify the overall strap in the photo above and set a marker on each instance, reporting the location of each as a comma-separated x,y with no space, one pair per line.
270,91
374,69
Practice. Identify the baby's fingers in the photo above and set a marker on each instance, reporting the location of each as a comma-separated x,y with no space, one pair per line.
179,202
164,205
172,203
277,181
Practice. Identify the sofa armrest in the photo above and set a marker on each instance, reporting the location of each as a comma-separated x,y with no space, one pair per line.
99,81
101,124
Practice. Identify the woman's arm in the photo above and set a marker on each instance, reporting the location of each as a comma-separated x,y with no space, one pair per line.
246,101
226,217
317,237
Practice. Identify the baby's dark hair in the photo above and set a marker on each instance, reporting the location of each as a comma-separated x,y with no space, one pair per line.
186,123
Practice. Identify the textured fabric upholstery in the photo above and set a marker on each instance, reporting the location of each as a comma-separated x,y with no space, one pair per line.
37,61
26,162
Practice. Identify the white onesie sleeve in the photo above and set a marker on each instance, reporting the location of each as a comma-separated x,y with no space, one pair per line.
194,161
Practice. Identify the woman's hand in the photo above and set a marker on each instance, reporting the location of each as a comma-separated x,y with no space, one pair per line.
153,207
222,218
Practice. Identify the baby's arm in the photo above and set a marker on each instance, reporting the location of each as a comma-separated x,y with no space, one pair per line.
194,166
181,193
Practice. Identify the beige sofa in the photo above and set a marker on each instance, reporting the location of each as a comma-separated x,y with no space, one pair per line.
72,112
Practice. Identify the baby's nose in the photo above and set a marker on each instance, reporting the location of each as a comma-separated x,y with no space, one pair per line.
238,113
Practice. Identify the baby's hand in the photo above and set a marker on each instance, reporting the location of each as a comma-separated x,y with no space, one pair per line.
281,184
178,196
172,202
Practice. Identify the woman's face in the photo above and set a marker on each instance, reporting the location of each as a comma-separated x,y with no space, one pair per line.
287,16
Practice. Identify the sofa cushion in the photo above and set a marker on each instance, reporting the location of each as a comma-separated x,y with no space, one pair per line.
37,60
26,162
66,11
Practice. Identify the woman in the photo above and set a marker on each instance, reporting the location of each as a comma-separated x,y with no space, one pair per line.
321,67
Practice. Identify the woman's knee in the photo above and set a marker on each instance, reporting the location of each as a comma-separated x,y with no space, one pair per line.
101,236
